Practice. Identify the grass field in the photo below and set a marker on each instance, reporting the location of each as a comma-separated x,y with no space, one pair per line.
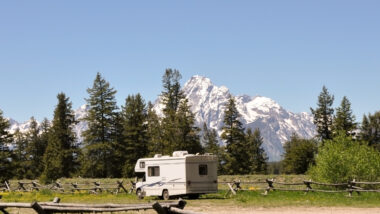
242,199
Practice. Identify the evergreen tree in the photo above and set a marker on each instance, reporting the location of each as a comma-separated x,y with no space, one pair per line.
19,157
370,130
155,145
5,153
323,114
188,138
101,135
299,155
256,155
171,98
60,158
210,142
344,120
234,137
134,115
34,155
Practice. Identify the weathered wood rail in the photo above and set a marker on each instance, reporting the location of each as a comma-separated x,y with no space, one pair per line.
93,187
173,207
350,187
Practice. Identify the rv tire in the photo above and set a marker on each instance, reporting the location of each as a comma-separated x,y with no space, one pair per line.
165,194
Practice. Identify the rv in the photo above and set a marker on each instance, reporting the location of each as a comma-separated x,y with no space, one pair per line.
178,175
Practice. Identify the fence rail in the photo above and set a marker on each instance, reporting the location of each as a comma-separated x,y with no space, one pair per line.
350,187
94,187
173,207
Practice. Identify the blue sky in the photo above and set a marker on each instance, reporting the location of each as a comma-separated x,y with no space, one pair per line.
285,50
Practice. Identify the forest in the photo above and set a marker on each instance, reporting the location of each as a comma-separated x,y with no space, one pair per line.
343,149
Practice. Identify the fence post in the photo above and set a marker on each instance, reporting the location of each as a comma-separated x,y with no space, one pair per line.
7,185
159,209
308,185
120,185
35,186
21,186
38,208
270,186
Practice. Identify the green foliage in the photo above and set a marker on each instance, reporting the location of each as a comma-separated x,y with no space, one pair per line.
187,132
323,114
155,145
343,159
370,130
299,155
210,142
257,158
60,158
235,160
19,157
178,124
100,137
344,120
35,150
5,153
135,145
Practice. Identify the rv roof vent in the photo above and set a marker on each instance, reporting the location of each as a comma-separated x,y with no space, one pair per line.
180,153
157,155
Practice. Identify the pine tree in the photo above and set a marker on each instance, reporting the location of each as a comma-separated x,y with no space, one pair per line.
323,114
171,98
19,157
135,132
234,137
209,141
60,158
344,120
33,151
5,153
257,157
100,137
187,138
370,130
155,145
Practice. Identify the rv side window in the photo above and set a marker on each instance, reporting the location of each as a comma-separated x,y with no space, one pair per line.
153,171
142,164
202,169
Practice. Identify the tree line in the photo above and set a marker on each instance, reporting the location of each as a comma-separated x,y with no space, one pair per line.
342,149
117,136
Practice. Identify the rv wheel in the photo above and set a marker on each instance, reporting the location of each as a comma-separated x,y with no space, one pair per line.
139,194
165,194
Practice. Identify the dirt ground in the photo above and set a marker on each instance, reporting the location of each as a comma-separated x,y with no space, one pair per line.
285,210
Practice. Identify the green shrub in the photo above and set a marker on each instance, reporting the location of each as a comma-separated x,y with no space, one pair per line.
342,159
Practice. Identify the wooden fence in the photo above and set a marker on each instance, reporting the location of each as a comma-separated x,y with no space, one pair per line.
94,187
309,186
56,207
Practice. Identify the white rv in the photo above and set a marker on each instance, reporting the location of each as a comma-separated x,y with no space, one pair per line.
181,174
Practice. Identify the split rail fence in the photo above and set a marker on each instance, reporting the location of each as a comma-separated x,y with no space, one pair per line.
175,207
93,187
305,186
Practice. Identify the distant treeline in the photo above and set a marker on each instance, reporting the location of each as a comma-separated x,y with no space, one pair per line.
117,136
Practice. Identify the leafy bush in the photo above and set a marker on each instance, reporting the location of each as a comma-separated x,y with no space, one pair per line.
342,159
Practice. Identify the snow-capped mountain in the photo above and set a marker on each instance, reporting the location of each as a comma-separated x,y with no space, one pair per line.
275,123
208,104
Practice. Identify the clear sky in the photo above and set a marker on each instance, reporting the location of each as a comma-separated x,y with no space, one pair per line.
285,50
